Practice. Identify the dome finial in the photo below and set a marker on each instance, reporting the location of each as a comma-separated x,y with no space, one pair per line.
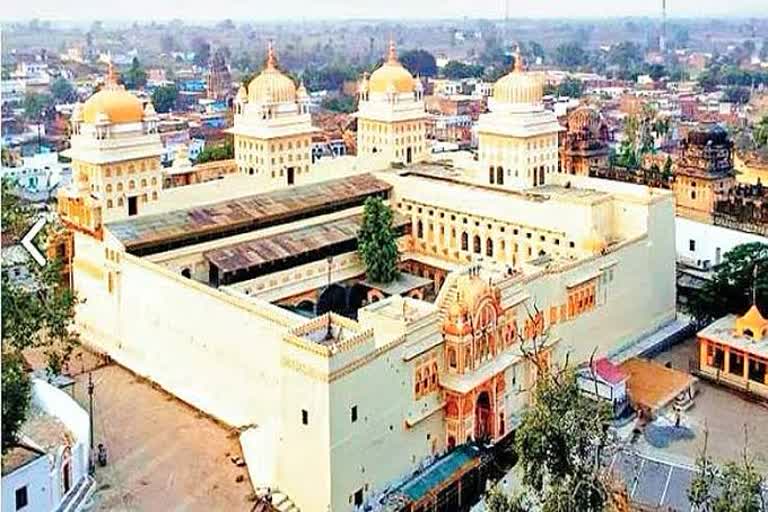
518,59
271,57
392,53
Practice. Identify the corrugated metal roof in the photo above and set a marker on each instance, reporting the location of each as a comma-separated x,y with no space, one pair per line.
260,251
243,213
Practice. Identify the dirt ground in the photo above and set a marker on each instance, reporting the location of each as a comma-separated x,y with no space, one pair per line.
724,414
163,455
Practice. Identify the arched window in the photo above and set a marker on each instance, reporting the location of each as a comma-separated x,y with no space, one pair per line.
120,187
131,185
476,244
489,247
490,175
419,229
464,242
109,188
499,176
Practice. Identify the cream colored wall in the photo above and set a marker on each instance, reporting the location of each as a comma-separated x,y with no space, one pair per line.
382,390
269,158
392,139
182,335
518,157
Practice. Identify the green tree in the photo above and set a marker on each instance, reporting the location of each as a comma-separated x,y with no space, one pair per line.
38,313
666,171
35,106
559,442
419,62
734,487
456,70
225,151
135,77
497,501
743,271
571,88
62,90
16,397
345,104
760,132
377,242
737,94
164,98
570,55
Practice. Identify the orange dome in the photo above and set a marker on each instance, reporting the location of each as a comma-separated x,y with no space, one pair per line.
271,85
391,76
117,104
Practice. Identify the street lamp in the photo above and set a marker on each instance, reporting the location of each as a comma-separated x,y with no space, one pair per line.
90,400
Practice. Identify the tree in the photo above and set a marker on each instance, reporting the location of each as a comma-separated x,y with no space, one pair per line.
135,77
345,104
164,98
62,90
36,314
377,242
743,271
216,153
16,397
666,171
734,487
202,51
35,106
497,501
737,94
456,70
419,62
570,55
760,132
571,87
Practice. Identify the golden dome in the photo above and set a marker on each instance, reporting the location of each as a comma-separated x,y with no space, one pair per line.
519,86
271,85
114,102
753,322
391,76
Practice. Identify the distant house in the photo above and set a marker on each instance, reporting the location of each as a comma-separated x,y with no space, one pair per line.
48,469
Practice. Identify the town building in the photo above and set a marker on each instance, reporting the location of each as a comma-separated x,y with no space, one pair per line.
355,393
48,468
734,351
219,80
585,144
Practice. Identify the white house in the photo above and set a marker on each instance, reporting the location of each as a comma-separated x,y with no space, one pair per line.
703,245
49,469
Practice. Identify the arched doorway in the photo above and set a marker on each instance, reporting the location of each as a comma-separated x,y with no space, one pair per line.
483,417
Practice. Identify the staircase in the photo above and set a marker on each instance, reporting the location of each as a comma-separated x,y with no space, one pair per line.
448,295
76,498
280,502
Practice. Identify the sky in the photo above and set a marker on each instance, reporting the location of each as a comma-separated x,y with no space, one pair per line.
398,9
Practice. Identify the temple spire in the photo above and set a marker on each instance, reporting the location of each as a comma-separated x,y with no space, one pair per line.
518,59
392,53
271,57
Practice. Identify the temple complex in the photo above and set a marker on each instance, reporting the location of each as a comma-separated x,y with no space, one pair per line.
734,350
245,296
585,143
218,80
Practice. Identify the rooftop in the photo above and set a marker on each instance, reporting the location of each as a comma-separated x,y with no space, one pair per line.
154,233
652,385
272,250
724,331
41,433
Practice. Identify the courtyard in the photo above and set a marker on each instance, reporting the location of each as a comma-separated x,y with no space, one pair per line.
729,419
163,455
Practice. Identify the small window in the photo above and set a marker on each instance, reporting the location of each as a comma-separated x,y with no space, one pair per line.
691,245
358,497
304,417
354,413
22,500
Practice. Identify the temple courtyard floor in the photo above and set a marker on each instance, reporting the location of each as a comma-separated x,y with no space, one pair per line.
725,416
162,454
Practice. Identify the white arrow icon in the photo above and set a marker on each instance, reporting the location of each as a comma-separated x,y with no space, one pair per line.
26,242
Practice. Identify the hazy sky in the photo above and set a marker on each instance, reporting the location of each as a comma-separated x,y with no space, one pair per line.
302,9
